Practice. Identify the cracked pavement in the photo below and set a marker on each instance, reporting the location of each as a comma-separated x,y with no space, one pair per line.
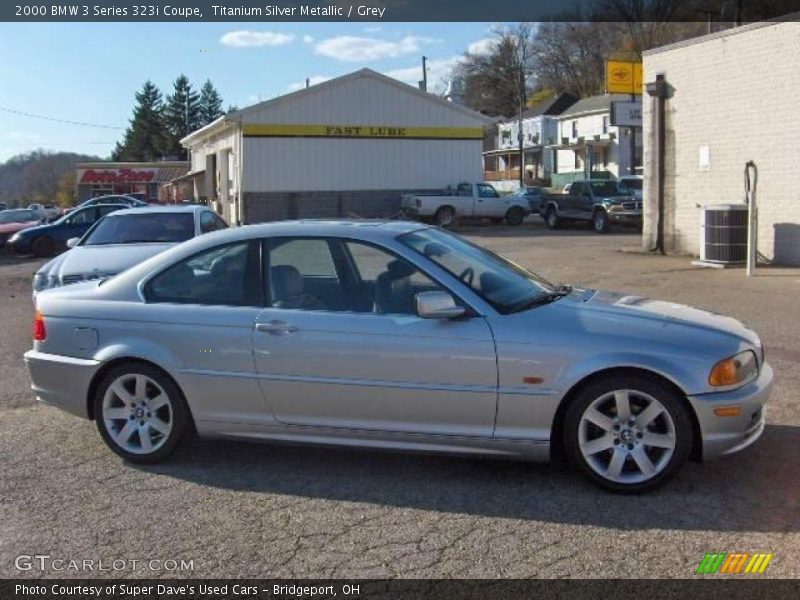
248,510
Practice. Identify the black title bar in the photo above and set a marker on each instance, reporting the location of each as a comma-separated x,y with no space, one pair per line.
396,10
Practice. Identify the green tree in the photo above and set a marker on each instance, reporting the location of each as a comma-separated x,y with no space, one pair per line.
181,114
210,108
146,138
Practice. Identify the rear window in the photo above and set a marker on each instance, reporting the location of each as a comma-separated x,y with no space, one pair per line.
131,229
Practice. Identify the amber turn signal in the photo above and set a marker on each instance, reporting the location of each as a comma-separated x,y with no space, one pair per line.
728,411
733,370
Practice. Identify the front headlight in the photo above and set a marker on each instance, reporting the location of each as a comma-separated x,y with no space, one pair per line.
13,238
40,282
734,370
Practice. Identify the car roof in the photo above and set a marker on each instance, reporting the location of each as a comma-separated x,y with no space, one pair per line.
114,196
169,208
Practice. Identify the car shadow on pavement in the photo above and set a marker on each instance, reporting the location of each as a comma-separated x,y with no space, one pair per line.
756,490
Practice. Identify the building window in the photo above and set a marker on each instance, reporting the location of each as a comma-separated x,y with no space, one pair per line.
574,129
577,159
605,124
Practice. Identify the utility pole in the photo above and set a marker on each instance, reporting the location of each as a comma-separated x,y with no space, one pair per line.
424,73
520,136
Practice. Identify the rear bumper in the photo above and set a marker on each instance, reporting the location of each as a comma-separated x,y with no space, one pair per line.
727,435
61,381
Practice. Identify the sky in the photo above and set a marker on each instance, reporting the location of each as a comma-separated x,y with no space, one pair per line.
88,73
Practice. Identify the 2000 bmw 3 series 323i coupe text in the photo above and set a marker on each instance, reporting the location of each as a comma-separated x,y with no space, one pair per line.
394,335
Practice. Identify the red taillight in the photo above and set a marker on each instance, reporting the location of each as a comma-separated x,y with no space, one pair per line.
39,332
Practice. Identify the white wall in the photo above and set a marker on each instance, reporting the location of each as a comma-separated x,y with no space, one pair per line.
736,93
316,164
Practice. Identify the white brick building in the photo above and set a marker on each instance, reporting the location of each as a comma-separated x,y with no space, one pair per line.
732,97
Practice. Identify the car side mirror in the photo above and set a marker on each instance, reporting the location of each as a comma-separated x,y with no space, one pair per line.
72,242
438,305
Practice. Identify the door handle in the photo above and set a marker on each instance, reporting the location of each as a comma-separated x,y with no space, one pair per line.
276,327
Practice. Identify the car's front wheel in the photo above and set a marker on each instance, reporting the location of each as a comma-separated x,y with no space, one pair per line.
140,413
628,434
515,216
600,221
43,246
551,218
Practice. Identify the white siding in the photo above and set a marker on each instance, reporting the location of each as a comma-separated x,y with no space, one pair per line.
361,101
736,93
314,164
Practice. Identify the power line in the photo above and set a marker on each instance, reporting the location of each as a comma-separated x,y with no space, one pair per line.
82,124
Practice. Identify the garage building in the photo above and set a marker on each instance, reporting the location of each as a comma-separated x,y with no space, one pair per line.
731,97
347,147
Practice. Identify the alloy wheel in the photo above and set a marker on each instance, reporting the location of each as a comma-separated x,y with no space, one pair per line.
137,413
627,436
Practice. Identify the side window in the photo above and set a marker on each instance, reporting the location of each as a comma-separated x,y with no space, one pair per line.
575,189
83,217
464,189
302,275
224,275
385,284
209,222
106,210
486,191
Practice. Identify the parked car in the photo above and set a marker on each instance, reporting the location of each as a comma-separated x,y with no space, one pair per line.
46,240
598,202
531,194
632,184
394,335
467,201
122,239
12,221
46,211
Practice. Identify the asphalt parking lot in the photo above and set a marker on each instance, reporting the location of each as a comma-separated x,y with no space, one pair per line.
239,510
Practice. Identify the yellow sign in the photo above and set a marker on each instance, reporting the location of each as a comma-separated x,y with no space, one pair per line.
623,77
364,131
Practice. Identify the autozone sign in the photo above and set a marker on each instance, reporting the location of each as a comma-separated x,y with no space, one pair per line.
117,175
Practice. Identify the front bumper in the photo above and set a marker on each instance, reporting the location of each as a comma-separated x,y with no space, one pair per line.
726,435
61,381
629,217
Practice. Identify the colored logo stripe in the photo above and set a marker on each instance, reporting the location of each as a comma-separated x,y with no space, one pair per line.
734,563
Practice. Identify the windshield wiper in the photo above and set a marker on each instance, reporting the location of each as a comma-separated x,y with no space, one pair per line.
545,298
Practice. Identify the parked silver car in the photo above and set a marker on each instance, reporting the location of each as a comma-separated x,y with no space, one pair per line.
122,239
394,335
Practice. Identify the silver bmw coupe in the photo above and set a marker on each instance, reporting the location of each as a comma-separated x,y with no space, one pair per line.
394,335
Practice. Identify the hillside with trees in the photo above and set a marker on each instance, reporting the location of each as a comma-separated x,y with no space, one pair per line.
40,176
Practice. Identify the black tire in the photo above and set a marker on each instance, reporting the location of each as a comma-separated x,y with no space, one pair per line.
600,222
551,218
671,402
43,246
181,420
515,216
445,217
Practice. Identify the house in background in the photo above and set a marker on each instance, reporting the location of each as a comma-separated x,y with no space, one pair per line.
539,127
588,144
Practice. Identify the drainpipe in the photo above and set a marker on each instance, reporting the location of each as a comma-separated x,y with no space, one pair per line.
658,91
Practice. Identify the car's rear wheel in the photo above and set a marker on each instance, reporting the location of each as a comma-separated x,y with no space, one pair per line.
445,217
140,413
515,215
42,246
600,221
551,218
628,434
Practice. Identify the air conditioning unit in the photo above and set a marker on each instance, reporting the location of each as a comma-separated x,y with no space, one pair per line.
723,234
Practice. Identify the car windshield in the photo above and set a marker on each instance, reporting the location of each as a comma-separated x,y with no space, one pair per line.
632,184
131,229
606,188
503,284
18,216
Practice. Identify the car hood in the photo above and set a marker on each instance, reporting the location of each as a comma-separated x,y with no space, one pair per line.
617,304
101,260
16,226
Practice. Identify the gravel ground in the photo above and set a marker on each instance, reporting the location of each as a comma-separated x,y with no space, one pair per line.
239,510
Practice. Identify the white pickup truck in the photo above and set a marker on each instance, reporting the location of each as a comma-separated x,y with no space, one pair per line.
466,201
